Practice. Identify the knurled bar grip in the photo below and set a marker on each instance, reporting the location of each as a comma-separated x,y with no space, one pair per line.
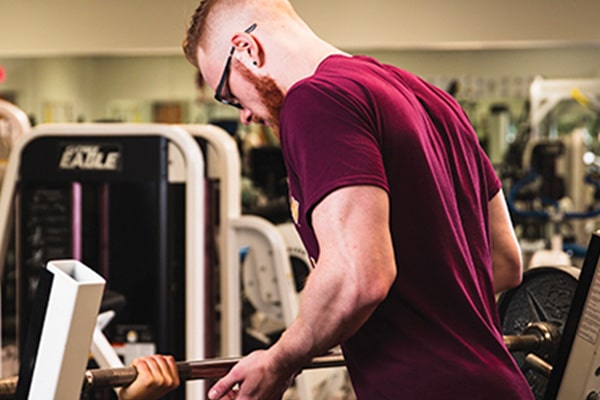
188,370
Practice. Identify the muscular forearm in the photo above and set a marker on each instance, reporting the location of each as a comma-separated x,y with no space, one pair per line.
354,273
330,313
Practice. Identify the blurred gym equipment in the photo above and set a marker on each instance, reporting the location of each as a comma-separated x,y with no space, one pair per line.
14,123
567,302
106,194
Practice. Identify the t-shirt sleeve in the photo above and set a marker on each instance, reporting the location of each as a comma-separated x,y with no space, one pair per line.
329,143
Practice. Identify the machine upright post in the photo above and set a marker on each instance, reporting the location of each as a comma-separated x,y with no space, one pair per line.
60,332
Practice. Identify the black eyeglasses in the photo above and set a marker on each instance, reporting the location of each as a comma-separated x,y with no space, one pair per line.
225,78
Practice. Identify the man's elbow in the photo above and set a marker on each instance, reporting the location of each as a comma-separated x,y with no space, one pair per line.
514,280
508,273
507,279
380,287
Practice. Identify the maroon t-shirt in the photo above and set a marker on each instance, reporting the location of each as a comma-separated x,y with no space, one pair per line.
436,336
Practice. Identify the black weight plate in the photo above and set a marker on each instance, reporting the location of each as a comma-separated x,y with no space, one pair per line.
545,295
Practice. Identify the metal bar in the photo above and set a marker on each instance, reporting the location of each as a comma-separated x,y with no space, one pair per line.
523,342
537,336
188,370
218,367
538,364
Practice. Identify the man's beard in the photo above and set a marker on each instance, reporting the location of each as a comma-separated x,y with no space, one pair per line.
270,94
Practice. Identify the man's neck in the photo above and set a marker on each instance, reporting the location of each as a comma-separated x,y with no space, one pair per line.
300,62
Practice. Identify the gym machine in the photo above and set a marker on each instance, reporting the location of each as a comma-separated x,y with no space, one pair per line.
14,123
110,196
557,147
60,331
543,206
546,94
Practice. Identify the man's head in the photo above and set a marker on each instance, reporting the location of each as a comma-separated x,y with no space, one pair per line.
215,19
239,47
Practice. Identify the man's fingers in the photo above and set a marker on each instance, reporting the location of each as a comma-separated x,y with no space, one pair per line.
164,366
143,369
172,367
224,387
162,370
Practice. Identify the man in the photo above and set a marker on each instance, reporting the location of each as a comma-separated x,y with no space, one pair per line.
395,201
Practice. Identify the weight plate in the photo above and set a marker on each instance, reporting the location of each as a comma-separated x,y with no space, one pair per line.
545,295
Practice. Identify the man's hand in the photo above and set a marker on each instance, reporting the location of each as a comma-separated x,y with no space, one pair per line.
254,377
157,375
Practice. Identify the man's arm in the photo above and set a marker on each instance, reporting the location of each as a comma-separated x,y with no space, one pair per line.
354,273
507,262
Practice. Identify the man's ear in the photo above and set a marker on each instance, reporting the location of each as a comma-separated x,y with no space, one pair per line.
250,47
